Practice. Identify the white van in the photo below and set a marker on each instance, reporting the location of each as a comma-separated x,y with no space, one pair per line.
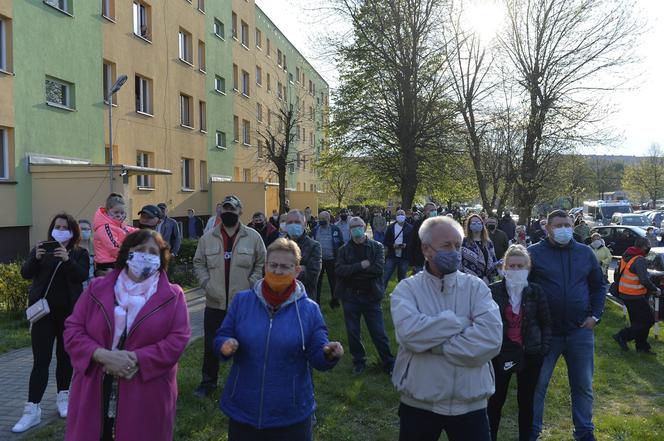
597,213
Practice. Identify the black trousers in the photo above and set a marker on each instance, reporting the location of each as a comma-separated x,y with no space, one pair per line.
640,320
212,319
328,267
44,333
244,432
423,425
526,381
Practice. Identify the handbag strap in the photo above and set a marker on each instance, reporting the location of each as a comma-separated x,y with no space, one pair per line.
52,277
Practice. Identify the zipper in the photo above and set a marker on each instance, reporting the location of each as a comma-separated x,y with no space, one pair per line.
267,347
135,325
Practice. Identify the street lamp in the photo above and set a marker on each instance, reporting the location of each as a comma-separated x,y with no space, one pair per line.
109,98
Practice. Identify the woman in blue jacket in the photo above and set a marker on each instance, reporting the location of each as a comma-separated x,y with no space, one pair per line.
275,334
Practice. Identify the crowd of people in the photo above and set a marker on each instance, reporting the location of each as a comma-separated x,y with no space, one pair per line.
486,300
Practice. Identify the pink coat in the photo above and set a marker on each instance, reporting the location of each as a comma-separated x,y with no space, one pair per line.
108,237
159,335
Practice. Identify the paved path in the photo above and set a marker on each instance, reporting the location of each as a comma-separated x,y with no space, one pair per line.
15,367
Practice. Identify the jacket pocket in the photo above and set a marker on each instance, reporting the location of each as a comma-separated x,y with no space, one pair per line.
244,257
473,384
213,256
414,378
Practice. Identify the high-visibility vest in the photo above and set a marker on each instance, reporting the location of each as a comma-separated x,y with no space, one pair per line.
629,282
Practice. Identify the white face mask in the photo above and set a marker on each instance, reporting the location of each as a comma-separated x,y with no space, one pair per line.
516,277
61,235
596,244
401,218
282,226
143,265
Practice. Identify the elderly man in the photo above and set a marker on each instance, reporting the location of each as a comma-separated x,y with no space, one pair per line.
169,230
448,329
574,286
360,287
397,240
330,238
149,217
310,262
228,259
267,231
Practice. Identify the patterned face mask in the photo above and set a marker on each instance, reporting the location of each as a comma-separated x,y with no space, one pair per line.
143,265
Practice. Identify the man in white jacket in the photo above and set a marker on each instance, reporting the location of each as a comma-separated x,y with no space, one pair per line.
448,329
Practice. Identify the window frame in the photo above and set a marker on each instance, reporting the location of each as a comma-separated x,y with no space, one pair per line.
202,116
244,34
186,173
143,181
203,175
219,25
219,80
108,9
220,140
137,20
234,25
246,84
259,76
145,92
189,100
66,9
185,46
259,39
202,63
246,133
69,104
4,154
112,77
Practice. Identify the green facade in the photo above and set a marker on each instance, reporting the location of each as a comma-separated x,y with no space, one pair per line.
48,42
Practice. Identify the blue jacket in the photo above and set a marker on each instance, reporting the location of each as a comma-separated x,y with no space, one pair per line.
572,281
337,236
270,382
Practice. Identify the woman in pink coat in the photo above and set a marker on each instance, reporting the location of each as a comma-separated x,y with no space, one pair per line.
124,338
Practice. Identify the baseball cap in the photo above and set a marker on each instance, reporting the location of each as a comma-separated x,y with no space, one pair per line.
233,201
152,211
162,205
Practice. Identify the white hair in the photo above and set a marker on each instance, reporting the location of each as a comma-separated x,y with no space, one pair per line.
429,224
299,214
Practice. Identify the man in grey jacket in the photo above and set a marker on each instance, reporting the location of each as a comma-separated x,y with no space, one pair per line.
169,230
448,328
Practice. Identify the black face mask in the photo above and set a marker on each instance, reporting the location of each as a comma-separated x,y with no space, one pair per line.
146,227
491,227
259,226
344,217
229,219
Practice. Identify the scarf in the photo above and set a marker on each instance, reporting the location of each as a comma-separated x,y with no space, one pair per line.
130,297
634,251
515,292
276,299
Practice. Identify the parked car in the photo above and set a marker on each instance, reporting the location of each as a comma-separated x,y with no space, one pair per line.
656,218
619,237
637,220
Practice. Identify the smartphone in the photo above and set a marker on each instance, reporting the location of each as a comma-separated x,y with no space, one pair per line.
49,246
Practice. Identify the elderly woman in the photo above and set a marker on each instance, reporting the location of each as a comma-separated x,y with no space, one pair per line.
478,256
526,339
602,252
275,334
125,337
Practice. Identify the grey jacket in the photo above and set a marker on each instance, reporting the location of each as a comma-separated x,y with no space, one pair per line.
171,233
448,330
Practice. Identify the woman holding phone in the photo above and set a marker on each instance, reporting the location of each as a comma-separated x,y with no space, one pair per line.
57,267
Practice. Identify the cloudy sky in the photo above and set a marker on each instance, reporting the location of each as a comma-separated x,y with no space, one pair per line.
639,118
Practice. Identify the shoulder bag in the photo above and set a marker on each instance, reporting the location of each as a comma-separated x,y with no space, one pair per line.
40,309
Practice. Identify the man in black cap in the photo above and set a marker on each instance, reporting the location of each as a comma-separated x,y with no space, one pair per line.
150,215
168,228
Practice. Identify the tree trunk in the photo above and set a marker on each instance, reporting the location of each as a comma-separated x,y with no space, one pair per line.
281,173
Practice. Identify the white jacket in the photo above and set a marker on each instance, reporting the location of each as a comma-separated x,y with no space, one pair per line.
447,339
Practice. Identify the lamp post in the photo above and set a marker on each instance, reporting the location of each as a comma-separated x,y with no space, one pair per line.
109,98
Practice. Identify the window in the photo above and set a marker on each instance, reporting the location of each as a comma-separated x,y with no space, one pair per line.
311,139
201,56
285,64
311,87
187,173
291,167
259,149
185,47
245,83
246,174
203,176
311,113
185,111
298,159
143,160
201,5
108,9
218,29
269,49
279,56
297,74
244,29
259,38
108,74
59,93
269,83
259,76
4,153
246,132
219,84
269,118
290,77
297,132
259,112
142,23
236,79
236,129
280,95
220,139
202,116
234,25
143,95
5,44
62,5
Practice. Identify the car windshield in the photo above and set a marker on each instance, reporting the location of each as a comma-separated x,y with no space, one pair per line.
608,211
637,221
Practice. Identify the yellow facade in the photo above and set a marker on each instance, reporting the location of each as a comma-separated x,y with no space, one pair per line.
7,188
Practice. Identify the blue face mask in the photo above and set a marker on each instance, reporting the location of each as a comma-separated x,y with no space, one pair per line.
294,230
357,232
447,262
476,227
85,234
563,235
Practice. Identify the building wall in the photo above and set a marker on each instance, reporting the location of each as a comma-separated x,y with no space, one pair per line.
8,188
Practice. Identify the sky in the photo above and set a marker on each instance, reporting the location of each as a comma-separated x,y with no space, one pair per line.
638,120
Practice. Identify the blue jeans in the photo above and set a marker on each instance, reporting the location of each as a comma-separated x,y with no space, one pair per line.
373,317
392,263
578,349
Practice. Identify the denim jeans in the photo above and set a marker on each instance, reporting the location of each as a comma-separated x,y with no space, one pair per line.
578,349
423,425
394,263
373,317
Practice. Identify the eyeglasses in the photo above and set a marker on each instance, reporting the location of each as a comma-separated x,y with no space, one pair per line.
273,266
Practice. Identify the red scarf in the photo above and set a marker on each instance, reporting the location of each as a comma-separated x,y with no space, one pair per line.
276,299
634,251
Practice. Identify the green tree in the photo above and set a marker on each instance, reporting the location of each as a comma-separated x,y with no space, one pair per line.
646,177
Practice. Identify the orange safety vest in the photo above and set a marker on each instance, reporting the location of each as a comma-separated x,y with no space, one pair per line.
629,282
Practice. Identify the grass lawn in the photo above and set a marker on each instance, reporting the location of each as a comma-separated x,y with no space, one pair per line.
13,331
629,395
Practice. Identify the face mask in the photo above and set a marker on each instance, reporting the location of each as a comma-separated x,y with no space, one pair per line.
282,226
433,213
401,218
143,265
259,226
229,219
294,230
323,223
357,232
516,277
447,262
61,235
119,216
563,235
596,244
275,216
344,217
85,234
476,227
491,227
278,282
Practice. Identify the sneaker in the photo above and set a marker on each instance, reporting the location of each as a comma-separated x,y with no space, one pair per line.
62,402
204,390
621,341
358,369
31,417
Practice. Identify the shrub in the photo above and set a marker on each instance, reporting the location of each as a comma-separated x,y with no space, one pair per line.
13,288
187,251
